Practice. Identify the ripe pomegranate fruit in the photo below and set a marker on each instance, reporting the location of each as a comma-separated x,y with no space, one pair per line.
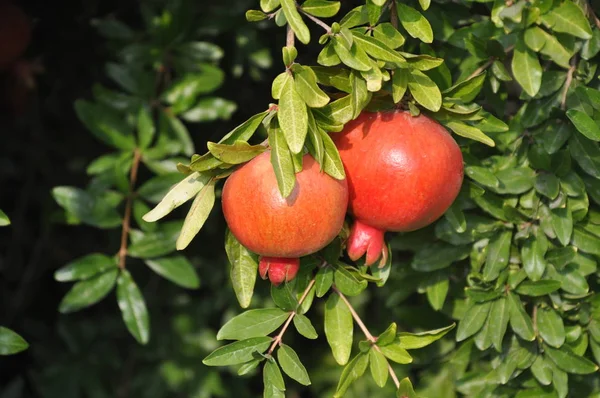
403,173
15,33
281,229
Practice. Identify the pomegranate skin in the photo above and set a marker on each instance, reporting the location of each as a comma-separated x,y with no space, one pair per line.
15,33
272,226
403,172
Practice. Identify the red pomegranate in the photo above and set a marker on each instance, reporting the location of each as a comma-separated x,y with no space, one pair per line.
15,33
281,229
403,173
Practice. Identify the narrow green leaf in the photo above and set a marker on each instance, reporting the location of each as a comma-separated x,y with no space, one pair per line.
542,371
498,254
244,267
133,307
236,153
437,290
4,220
569,18
387,34
584,124
413,341
291,365
538,288
197,215
145,128
567,360
586,153
562,223
178,195
473,320
498,319
332,163
377,49
316,145
338,328
399,84
379,367
519,320
321,8
355,57
351,373
87,292
466,90
177,269
406,389
550,327
424,90
526,69
237,352
281,159
464,130
306,86
359,95
415,23
11,343
85,267
269,5
305,327
585,241
396,353
295,20
252,323
292,116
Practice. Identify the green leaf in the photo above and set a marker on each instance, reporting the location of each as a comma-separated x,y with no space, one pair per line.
239,152
406,389
550,327
177,269
145,128
10,342
255,16
584,124
360,95
387,34
281,159
105,124
332,163
197,215
437,290
482,175
437,256
98,210
321,8
498,254
85,267
244,131
178,195
396,353
415,23
547,184
424,90
413,341
355,57
519,320
315,140
244,267
346,282
4,220
540,41
306,86
133,307
269,5
157,243
466,90
338,328
399,84
252,323
272,378
456,218
323,280
464,130
568,18
532,255
538,288
585,241
586,153
567,360
498,321
209,109
542,371
295,20
292,116
561,257
473,320
291,365
87,292
379,367
180,131
526,69
562,224
377,49
305,327
351,373
237,352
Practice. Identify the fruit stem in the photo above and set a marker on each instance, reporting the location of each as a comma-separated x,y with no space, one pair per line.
366,332
279,337
368,240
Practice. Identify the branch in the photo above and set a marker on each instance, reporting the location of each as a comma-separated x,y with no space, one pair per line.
290,40
127,217
279,337
563,100
316,20
394,14
590,11
366,332
481,68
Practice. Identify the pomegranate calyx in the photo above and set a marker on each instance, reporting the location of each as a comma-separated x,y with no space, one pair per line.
368,240
278,269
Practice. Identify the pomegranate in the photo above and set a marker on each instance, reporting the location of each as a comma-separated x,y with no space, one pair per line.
15,33
281,229
403,173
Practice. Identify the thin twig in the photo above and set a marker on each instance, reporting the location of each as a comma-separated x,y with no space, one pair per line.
592,15
316,20
481,68
366,332
279,337
127,217
290,40
394,14
565,92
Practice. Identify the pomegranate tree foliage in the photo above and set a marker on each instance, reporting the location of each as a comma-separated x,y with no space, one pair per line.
513,263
